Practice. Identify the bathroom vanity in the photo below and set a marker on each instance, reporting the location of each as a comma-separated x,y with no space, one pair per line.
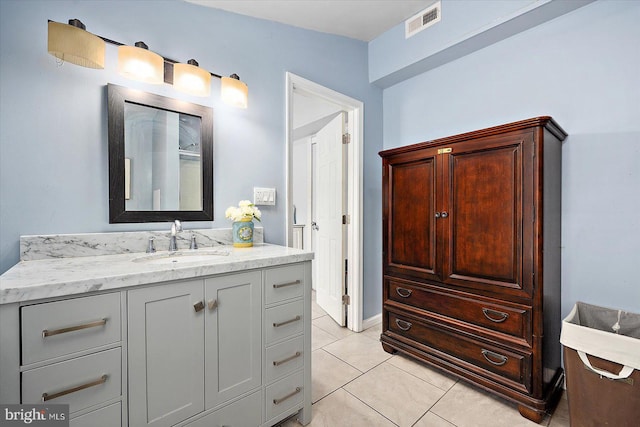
217,336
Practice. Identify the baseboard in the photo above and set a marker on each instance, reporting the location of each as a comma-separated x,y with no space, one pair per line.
371,321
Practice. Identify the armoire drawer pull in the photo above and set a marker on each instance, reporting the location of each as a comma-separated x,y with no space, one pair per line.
405,326
280,362
286,322
48,333
51,396
282,399
490,354
282,285
404,293
488,313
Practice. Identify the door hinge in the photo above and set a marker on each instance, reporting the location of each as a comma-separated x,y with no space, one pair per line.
346,219
346,138
346,300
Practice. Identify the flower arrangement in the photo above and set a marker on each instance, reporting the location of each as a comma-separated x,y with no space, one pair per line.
245,211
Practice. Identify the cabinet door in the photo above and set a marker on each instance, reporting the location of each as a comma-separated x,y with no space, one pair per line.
166,354
233,344
409,215
488,201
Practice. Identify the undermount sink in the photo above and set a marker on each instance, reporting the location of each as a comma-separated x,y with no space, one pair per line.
182,257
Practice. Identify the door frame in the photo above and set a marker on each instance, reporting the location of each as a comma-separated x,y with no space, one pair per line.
355,109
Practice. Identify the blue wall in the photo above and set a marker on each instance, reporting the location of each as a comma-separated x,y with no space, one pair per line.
53,122
583,69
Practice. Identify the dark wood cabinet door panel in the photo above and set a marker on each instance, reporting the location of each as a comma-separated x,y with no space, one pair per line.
410,219
484,201
512,366
494,316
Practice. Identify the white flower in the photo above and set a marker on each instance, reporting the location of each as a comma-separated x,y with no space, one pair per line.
245,210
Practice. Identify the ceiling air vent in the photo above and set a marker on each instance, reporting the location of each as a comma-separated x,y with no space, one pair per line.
422,20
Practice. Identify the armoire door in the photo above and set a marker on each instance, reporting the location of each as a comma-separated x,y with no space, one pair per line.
409,215
487,184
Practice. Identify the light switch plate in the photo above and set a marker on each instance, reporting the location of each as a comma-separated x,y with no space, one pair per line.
264,196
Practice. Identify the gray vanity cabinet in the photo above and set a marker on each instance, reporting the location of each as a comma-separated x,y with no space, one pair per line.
177,329
166,353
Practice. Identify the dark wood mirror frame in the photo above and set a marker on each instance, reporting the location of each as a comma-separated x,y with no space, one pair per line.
116,97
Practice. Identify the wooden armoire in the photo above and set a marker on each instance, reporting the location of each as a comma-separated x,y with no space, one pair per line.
471,258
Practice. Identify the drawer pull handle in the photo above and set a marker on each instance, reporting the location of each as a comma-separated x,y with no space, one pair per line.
282,399
282,285
286,322
404,293
405,326
487,312
280,362
47,396
489,354
49,333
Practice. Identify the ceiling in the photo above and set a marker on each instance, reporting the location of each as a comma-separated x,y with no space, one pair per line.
358,19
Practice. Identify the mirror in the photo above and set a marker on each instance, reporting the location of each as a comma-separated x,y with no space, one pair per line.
160,158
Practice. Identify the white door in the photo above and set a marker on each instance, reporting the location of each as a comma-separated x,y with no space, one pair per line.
329,207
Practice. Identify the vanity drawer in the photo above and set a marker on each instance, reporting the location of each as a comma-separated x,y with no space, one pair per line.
246,412
59,328
283,321
507,366
495,316
284,358
283,283
110,416
284,394
81,382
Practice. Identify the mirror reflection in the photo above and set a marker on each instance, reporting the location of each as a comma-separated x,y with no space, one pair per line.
163,168
160,158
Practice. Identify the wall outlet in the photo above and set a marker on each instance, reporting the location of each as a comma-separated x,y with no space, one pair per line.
264,196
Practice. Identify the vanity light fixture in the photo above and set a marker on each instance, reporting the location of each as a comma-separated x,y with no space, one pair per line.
191,79
139,63
233,91
72,43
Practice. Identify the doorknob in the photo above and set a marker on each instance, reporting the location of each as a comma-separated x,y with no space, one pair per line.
314,226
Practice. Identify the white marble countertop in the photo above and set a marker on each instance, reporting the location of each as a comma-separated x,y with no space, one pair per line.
47,278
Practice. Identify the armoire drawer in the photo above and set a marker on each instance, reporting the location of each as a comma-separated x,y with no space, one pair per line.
64,327
283,321
511,320
283,283
81,382
447,343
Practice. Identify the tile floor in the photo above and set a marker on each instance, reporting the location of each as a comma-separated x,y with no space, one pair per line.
356,383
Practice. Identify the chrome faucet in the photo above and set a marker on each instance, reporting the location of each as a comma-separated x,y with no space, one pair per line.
176,227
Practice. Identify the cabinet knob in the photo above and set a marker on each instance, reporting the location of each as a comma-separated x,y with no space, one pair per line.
212,304
445,214
198,306
437,214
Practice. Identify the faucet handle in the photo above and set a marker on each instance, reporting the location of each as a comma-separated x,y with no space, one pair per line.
194,244
151,247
